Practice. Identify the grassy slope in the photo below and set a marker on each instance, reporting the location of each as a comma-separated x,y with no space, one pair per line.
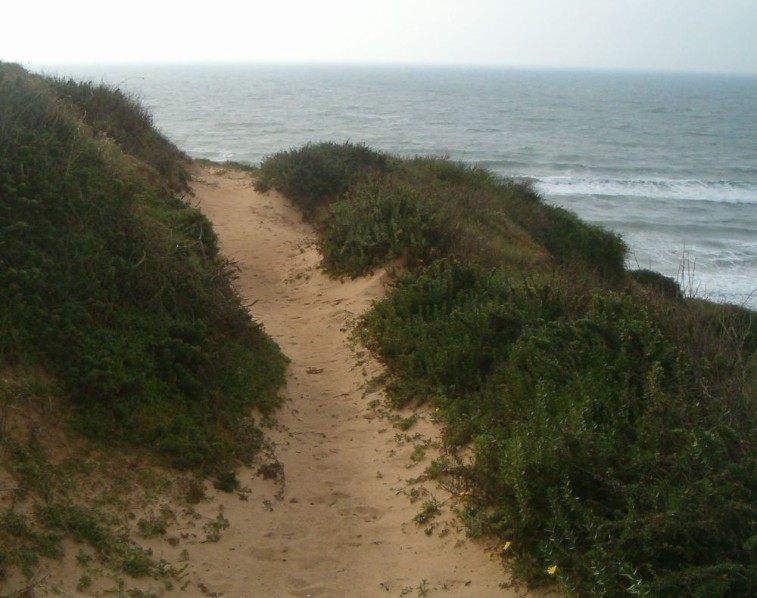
611,421
113,297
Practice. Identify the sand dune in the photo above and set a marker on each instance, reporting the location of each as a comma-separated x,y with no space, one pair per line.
339,520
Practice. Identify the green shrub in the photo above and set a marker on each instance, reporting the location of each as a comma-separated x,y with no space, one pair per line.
612,460
599,446
316,174
374,209
444,328
377,223
226,482
428,309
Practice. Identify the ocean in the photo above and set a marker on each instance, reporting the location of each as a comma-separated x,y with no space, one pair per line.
669,161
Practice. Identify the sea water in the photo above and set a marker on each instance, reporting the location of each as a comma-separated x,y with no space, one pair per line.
669,161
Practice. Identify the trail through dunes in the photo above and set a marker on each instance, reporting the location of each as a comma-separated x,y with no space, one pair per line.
337,518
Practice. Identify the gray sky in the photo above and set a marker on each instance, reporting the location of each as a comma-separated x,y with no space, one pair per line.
689,35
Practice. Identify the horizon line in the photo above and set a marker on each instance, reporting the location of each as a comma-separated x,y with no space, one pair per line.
377,64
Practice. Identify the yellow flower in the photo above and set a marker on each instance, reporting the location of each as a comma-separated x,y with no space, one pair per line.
490,555
507,545
552,570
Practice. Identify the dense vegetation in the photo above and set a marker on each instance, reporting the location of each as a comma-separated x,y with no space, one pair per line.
118,319
611,420
112,285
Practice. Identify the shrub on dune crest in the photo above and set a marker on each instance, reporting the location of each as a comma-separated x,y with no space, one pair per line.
375,208
318,173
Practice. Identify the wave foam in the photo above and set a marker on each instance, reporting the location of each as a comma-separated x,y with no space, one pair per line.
714,191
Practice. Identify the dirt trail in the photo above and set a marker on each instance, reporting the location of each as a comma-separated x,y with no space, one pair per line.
340,521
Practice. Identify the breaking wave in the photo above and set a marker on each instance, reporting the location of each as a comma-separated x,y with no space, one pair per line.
693,190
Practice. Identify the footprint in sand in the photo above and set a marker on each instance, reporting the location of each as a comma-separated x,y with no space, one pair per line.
267,554
291,531
367,514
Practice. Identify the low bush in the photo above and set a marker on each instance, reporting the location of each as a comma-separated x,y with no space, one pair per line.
378,223
375,208
471,314
601,443
318,173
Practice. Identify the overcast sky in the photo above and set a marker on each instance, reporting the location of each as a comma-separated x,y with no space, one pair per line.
687,35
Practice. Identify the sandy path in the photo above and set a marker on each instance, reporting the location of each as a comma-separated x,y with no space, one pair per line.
340,522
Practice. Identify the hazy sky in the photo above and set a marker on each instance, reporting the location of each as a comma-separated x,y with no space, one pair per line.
692,35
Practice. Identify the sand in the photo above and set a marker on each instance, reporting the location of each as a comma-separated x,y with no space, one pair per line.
339,521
